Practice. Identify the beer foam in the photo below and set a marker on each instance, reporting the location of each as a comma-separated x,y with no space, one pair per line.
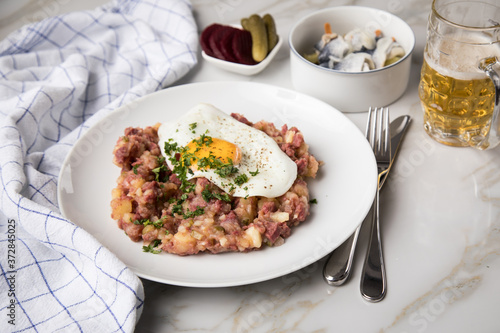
460,60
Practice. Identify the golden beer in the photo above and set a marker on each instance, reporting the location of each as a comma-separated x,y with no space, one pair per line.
456,110
460,72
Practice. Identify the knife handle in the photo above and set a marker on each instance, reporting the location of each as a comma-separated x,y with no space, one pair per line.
338,266
373,279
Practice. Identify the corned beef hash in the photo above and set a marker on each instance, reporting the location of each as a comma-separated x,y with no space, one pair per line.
210,182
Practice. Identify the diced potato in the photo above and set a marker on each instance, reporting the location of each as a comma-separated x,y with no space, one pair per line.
195,234
301,190
183,242
243,244
127,217
116,193
254,236
148,228
280,216
246,209
303,149
120,206
137,183
312,167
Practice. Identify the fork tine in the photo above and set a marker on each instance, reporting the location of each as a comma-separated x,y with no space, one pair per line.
368,121
381,133
380,114
387,139
371,127
377,132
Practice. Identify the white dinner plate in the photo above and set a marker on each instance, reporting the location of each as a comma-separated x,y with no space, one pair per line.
344,187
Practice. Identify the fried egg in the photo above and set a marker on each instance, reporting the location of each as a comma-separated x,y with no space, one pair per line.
213,140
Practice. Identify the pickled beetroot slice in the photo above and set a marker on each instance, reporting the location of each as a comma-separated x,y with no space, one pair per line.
226,45
215,41
242,47
205,38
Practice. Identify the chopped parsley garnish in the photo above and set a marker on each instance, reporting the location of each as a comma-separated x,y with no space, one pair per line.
182,158
313,201
207,195
158,224
170,147
177,209
192,127
254,173
151,247
188,214
226,170
158,171
204,140
134,168
241,179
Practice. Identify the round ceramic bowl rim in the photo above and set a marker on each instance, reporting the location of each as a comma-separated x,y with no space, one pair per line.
340,8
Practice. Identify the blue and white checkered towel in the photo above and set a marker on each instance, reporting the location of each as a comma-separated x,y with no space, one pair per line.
57,77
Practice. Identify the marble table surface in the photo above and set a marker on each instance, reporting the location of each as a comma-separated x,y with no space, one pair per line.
440,226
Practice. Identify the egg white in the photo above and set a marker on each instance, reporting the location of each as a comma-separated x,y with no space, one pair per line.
276,171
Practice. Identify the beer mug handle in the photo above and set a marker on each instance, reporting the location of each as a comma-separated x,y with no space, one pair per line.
492,139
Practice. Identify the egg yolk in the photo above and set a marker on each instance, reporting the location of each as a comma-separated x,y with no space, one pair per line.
214,148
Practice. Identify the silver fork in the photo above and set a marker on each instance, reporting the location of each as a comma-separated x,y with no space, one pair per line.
373,279
338,266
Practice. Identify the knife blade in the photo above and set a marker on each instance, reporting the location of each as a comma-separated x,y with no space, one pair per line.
398,126
338,266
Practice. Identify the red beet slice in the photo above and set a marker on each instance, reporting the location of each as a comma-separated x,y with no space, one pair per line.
242,47
215,41
226,45
205,38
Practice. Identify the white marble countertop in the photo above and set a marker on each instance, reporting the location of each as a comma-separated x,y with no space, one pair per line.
440,227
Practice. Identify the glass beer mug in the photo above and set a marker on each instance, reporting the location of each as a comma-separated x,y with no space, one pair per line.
459,84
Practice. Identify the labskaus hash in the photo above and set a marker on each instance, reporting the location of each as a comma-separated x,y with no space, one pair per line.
210,182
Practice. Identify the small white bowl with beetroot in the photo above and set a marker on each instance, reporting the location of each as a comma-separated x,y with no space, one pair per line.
245,49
